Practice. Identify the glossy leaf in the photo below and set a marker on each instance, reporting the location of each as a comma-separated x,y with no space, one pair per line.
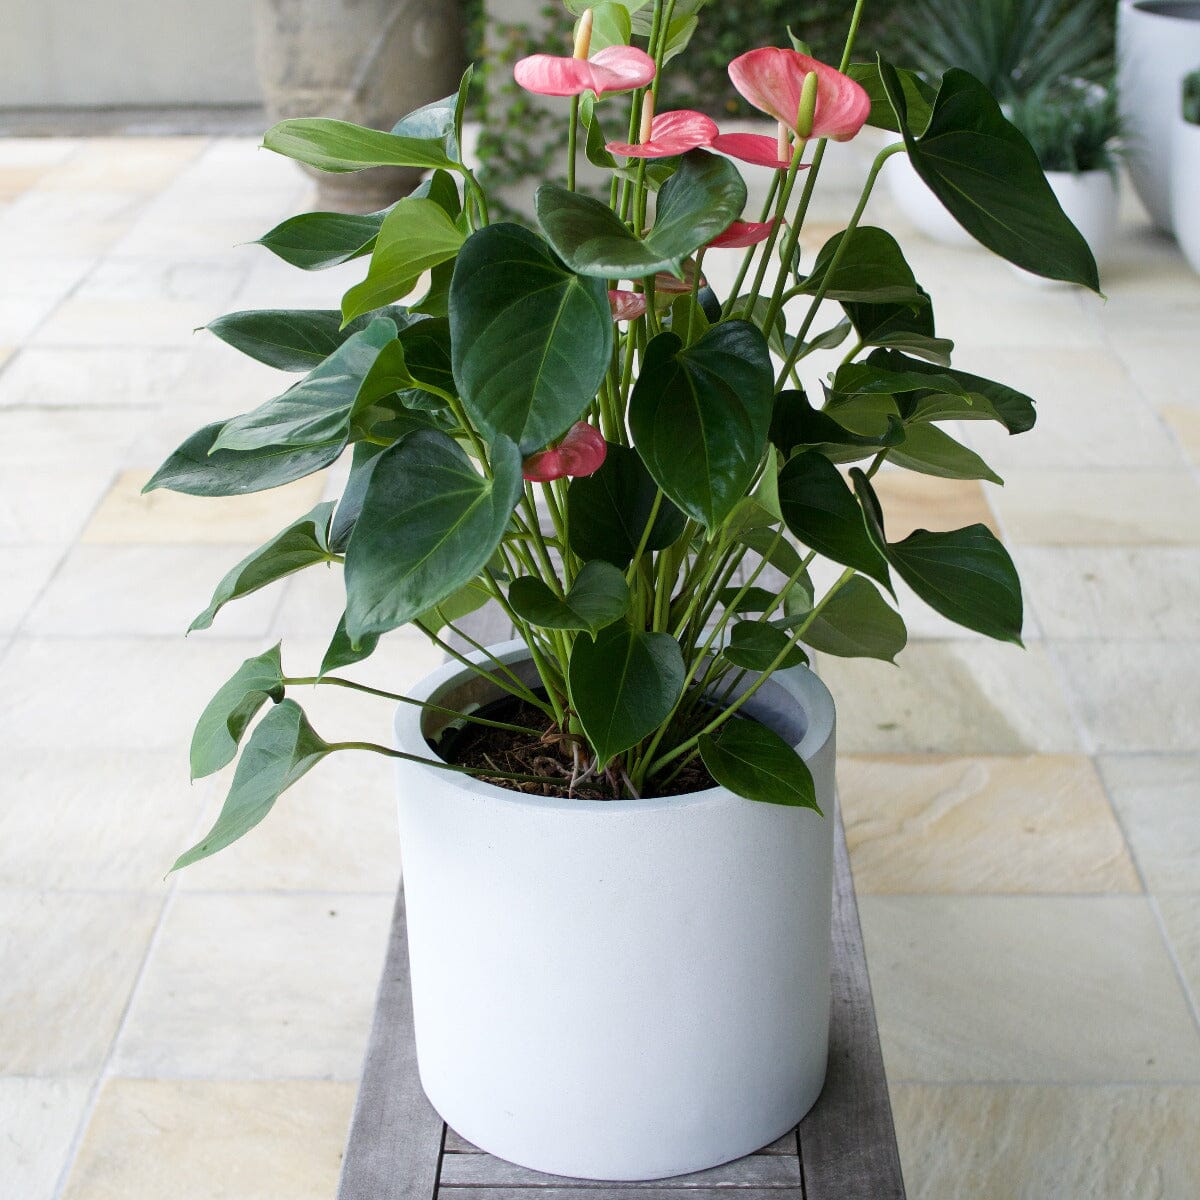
857,622
317,240
822,512
598,597
531,340
796,424
700,417
228,714
932,451
197,469
988,178
416,236
302,544
756,763
755,645
918,95
696,204
623,685
607,512
340,146
429,524
901,326
282,748
366,454
871,269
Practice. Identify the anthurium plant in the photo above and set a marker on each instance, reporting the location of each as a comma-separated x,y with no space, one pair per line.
567,420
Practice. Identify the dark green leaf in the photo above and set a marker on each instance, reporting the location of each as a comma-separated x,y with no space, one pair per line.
429,524
340,146
901,326
466,600
623,685
341,653
700,416
302,544
795,423
594,141
988,178
755,762
856,622
779,552
822,512
317,240
747,599
607,512
282,748
871,269
531,340
362,464
227,715
696,204
196,469
930,450
755,645
918,95
598,597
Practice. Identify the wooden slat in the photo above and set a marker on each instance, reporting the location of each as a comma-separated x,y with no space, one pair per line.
573,1190
395,1141
756,1171
848,1140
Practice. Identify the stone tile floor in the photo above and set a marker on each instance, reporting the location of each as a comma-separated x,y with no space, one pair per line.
1024,825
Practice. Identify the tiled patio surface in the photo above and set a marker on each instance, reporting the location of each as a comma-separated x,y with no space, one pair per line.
1024,825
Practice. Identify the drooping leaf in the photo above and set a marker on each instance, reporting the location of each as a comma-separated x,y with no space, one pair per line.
932,451
429,523
607,512
342,653
416,235
340,146
366,454
282,748
872,269
317,240
594,139
225,718
623,685
316,410
302,544
531,340
598,597
857,622
755,762
197,469
700,416
822,512
796,424
755,645
696,204
987,176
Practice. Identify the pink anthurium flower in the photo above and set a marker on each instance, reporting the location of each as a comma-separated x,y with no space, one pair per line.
671,133
626,305
581,452
613,69
741,234
756,148
772,79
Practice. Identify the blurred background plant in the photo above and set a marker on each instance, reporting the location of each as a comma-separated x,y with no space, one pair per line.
1191,97
1073,127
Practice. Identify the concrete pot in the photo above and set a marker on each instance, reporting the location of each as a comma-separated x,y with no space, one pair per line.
618,990
1158,42
1185,189
366,61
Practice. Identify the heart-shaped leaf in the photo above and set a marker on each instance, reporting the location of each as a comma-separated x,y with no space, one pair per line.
598,597
429,524
932,451
871,269
623,685
987,176
820,509
531,340
755,645
302,544
607,512
340,146
696,204
282,748
226,716
755,762
856,622
700,416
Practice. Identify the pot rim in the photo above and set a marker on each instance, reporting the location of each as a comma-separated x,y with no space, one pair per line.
1164,8
800,682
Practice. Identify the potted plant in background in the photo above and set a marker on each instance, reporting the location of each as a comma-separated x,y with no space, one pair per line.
1018,49
1185,171
616,831
1075,131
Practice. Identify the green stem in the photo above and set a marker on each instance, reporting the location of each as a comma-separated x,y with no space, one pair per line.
572,137
474,772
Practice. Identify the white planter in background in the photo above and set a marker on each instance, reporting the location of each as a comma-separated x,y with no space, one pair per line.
920,206
1090,200
1185,189
1158,42
618,990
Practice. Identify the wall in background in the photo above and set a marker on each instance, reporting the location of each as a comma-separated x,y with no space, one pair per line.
71,53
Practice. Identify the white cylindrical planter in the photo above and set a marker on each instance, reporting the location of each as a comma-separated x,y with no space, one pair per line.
1185,189
626,989
920,206
1158,42
1090,200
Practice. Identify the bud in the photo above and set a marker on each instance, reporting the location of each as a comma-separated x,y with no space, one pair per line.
783,144
647,118
807,110
583,35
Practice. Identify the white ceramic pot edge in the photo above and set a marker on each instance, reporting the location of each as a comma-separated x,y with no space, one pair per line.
618,990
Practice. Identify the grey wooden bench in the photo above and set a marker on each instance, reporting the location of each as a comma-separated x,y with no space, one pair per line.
844,1149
